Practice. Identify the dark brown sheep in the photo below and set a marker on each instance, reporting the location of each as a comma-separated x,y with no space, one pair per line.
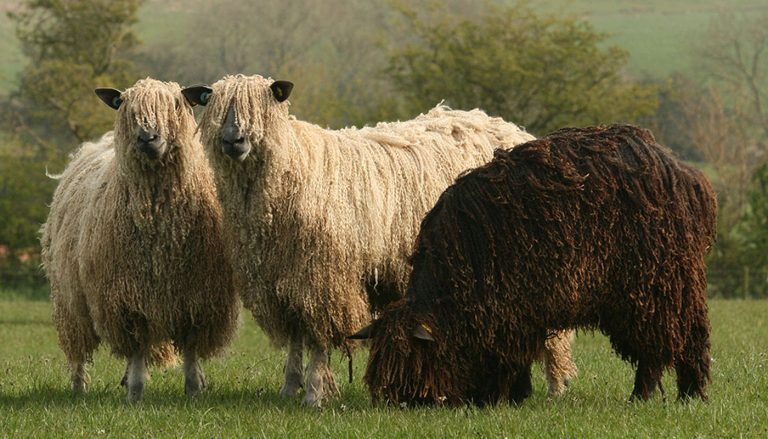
595,228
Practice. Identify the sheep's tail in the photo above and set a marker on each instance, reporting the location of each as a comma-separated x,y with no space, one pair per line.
53,176
163,355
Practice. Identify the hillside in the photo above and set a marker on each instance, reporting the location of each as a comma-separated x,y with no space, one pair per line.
658,34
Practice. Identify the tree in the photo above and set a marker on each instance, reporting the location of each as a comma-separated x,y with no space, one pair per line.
726,121
72,46
328,49
736,57
543,72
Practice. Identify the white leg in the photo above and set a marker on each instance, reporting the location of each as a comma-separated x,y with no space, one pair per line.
194,378
80,378
558,363
137,375
293,370
320,382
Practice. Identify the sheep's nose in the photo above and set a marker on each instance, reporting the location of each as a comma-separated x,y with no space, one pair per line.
147,135
149,142
235,144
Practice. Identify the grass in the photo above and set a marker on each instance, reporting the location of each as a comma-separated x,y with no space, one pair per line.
242,400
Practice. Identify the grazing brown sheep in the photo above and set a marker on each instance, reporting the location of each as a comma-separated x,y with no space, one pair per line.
133,244
321,222
596,228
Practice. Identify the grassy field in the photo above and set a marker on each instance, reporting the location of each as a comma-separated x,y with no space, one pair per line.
242,398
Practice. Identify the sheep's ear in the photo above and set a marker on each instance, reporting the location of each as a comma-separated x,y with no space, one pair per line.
423,332
110,96
281,90
197,94
363,334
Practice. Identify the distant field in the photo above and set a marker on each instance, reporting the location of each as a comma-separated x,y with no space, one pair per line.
35,400
658,34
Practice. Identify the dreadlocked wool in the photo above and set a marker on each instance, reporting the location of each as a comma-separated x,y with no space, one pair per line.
133,246
596,228
322,221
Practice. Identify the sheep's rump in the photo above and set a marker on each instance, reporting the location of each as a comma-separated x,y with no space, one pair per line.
596,228
338,246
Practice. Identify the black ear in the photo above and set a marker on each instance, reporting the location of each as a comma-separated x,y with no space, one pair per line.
110,96
281,90
363,334
423,332
197,94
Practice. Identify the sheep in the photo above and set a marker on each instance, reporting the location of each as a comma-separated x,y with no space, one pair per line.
598,228
133,245
321,221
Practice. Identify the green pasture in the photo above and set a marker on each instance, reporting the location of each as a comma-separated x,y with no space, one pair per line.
35,400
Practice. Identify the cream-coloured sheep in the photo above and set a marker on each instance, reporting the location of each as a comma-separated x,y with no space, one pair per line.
321,222
133,244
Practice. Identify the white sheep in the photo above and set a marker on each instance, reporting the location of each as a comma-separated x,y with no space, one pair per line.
321,222
133,244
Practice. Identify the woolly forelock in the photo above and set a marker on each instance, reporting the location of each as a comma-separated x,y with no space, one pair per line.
321,222
152,104
598,228
256,109
134,249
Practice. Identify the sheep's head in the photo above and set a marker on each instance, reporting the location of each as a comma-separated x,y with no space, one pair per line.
410,362
241,111
152,117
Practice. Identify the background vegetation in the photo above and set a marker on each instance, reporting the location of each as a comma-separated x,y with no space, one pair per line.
694,71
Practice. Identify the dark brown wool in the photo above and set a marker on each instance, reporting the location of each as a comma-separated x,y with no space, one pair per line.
597,228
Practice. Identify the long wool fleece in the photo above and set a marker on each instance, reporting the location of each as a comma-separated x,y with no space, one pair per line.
133,247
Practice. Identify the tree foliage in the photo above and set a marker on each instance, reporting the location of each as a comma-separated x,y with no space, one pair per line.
328,49
72,46
543,72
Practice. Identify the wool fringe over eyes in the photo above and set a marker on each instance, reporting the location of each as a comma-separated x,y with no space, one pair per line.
322,221
133,246
598,228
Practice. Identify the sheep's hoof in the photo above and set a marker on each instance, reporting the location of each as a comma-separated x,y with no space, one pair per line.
81,385
291,387
194,386
135,393
312,400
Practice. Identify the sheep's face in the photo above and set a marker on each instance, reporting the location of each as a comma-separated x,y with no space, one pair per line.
152,117
242,113
409,362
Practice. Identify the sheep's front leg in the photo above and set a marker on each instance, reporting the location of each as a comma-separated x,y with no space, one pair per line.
80,378
293,369
137,375
320,382
194,378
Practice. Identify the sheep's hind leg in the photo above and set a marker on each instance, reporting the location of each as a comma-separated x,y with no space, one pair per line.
647,379
693,363
558,362
137,375
320,381
293,369
194,378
